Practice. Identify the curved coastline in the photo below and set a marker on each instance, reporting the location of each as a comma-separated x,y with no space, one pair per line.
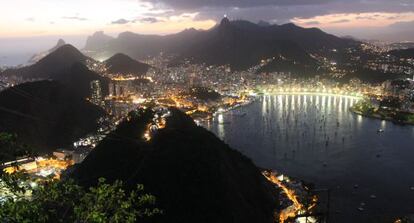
354,111
356,140
375,116
314,93
257,96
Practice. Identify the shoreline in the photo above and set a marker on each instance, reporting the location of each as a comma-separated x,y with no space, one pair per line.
373,116
256,97
376,116
345,209
313,93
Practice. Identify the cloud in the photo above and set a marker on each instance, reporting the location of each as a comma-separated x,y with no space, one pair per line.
312,23
394,17
196,4
149,20
277,10
120,22
75,18
340,21
141,20
30,19
354,20
365,17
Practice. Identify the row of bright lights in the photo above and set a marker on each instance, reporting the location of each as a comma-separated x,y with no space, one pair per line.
318,91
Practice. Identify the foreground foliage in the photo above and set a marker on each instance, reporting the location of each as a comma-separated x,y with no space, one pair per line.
64,201
10,149
26,200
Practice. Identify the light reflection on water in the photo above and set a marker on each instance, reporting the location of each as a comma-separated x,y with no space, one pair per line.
316,138
220,128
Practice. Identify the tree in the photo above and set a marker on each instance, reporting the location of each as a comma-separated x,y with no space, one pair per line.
24,200
364,106
10,149
12,185
65,201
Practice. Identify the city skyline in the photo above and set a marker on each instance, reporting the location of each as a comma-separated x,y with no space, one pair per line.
217,111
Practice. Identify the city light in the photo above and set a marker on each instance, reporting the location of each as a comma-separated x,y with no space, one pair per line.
296,207
41,166
216,77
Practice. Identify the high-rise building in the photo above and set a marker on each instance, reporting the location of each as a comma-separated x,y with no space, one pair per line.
112,89
120,89
96,93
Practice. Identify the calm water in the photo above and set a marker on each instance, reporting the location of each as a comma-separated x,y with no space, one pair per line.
316,139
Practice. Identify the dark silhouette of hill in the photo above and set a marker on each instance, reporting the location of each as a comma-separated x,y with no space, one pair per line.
239,43
371,76
195,176
60,59
46,115
405,53
97,41
123,64
297,70
242,45
204,94
78,78
35,58
65,65
263,23
310,39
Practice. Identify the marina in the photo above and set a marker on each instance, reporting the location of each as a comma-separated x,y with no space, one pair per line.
366,163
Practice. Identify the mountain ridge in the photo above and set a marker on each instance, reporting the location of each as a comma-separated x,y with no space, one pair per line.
66,65
62,58
123,64
35,58
238,43
46,115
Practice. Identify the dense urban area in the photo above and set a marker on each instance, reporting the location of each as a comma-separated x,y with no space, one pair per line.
372,72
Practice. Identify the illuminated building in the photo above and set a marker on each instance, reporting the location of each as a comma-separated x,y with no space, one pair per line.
96,93
112,89
120,90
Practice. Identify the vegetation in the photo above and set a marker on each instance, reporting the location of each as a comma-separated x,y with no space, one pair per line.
364,106
204,94
388,109
403,53
390,103
10,149
404,117
22,200
65,201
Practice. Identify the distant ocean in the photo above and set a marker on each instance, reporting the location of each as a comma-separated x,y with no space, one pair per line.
14,59
17,51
